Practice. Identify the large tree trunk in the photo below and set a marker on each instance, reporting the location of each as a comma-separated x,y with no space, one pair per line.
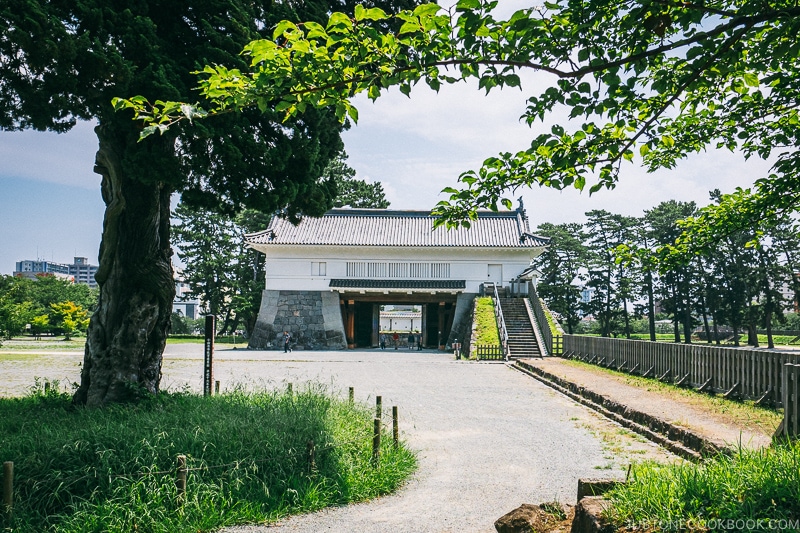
128,332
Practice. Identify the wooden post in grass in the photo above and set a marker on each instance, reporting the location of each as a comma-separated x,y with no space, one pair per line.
180,482
376,442
208,362
8,486
216,387
378,406
351,395
395,428
312,460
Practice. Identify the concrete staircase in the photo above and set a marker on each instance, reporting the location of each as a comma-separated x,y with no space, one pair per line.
521,337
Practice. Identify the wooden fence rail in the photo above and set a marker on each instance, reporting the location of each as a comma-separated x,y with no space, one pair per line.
489,352
735,372
790,426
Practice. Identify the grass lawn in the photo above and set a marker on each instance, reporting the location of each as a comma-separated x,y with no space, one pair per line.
248,456
744,414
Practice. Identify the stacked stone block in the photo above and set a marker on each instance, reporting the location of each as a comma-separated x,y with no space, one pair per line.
313,318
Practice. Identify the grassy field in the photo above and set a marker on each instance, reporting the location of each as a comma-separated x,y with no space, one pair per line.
248,458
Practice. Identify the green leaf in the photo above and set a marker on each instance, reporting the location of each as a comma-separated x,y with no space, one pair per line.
426,10
751,79
409,27
314,30
374,13
468,4
339,20
147,131
352,112
281,28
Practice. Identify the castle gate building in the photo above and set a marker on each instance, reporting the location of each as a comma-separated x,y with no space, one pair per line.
327,277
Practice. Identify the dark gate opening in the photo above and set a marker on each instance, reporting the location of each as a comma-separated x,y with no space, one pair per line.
362,323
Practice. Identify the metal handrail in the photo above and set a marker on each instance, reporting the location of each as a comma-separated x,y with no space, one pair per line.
501,322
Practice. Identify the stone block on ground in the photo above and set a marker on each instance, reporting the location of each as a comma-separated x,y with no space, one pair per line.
589,516
595,487
528,517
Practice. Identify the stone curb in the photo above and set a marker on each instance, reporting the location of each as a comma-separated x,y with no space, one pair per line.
679,441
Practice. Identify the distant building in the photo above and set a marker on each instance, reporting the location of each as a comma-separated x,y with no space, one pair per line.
183,302
327,277
80,271
401,318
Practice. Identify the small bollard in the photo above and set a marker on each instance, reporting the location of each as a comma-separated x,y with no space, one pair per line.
378,406
216,387
180,481
8,486
376,442
395,428
351,394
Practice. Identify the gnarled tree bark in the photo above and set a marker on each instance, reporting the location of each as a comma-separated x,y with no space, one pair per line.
128,331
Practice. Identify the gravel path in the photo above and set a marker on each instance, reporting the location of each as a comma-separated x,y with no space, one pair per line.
488,437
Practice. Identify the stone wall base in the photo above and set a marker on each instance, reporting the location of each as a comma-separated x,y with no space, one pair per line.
313,318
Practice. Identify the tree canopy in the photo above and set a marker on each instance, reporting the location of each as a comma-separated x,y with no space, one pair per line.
61,62
648,79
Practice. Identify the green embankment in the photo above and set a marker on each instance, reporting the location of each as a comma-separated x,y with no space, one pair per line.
485,322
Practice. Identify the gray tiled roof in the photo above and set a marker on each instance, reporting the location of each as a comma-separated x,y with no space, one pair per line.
399,283
382,227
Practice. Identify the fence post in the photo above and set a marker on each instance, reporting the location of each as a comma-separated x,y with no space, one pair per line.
312,461
8,485
395,428
378,406
208,359
376,441
180,481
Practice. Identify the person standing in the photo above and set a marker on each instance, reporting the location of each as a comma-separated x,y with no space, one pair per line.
287,339
396,339
410,340
419,341
383,341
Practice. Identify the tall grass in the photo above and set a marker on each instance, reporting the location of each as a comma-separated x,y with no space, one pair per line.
745,487
113,469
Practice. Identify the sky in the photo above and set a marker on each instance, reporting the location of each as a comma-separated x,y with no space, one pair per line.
50,204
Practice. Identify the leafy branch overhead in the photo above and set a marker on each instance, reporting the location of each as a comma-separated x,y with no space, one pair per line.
654,80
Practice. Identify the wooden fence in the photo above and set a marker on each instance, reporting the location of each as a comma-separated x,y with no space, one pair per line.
735,372
790,426
489,352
